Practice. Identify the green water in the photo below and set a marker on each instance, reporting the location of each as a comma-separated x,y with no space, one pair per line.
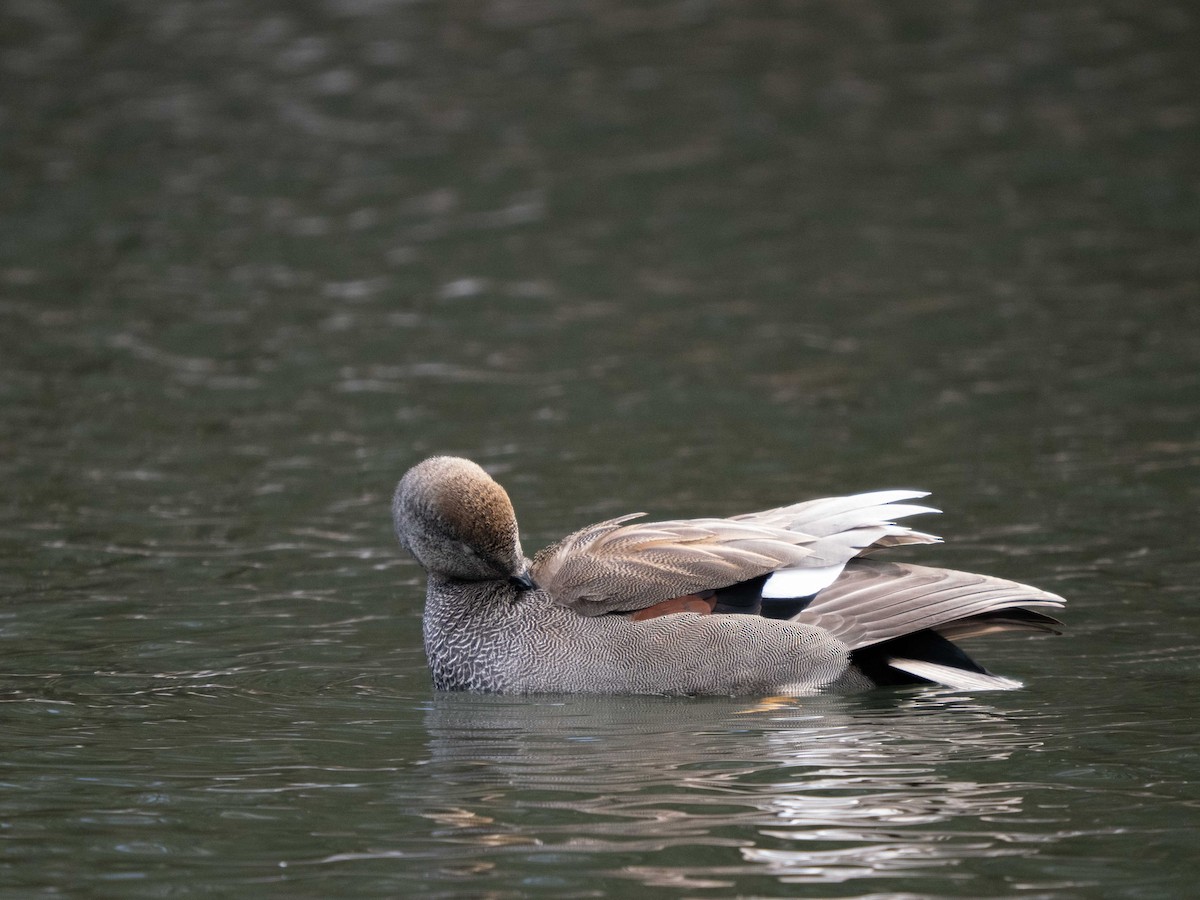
689,258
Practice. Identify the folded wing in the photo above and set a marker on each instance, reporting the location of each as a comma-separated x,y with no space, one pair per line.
874,602
614,566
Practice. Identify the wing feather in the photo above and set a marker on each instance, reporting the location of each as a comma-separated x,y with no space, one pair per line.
619,566
875,601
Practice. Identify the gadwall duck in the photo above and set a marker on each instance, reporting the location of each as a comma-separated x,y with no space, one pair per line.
776,602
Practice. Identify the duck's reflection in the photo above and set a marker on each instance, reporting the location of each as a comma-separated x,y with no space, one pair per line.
820,789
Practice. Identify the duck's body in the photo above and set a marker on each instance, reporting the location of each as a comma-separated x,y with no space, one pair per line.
478,638
773,602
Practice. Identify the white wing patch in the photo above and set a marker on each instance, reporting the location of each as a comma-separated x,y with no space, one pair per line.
797,581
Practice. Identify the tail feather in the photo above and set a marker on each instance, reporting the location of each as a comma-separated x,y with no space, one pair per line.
901,620
952,677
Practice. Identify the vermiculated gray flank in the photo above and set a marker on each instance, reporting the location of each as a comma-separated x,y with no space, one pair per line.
781,601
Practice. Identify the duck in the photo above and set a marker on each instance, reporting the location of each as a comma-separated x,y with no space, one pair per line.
785,602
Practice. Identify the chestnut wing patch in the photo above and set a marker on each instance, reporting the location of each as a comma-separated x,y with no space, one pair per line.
702,603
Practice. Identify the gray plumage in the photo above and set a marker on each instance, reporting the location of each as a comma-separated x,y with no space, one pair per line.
571,621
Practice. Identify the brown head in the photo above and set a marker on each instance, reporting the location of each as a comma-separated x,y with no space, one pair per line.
458,522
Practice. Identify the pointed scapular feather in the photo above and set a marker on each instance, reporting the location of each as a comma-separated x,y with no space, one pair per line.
827,515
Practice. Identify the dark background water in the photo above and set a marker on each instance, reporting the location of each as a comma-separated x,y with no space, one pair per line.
695,258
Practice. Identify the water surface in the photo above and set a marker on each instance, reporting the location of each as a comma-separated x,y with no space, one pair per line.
690,258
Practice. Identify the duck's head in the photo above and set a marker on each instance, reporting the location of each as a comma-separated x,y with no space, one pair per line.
459,523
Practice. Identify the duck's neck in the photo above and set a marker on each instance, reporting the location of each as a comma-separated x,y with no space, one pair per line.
464,625
465,600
